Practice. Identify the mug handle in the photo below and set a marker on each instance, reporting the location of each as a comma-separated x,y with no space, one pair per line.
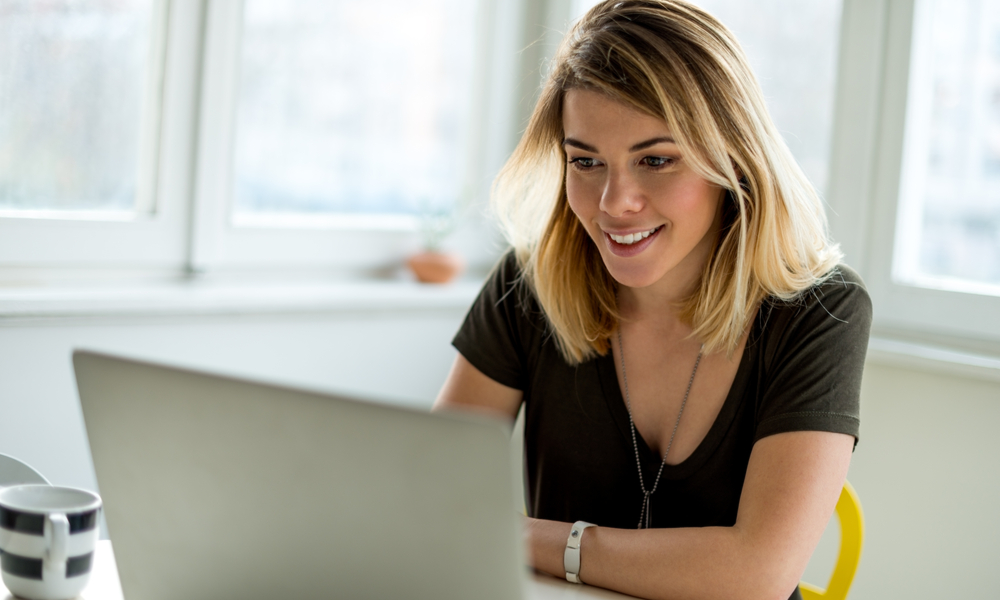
57,530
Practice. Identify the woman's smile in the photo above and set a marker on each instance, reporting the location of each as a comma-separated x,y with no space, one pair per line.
631,244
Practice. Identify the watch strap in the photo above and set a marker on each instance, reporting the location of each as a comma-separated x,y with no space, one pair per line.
571,557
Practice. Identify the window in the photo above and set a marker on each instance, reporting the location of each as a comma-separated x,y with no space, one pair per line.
792,47
175,136
914,163
948,223
86,178
344,111
327,129
71,104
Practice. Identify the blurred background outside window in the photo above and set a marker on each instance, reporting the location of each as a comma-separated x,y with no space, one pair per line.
792,47
73,75
352,107
948,218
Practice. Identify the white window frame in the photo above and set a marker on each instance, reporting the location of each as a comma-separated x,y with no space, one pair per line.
353,242
866,170
30,240
187,128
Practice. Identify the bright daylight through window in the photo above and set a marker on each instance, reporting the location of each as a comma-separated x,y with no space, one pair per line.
72,78
948,222
352,107
792,47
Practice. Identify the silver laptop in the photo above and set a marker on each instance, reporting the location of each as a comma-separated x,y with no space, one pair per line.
220,488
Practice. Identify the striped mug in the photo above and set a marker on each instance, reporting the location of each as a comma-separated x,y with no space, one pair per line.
47,540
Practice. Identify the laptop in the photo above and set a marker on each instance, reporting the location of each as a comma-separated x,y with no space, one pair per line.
215,487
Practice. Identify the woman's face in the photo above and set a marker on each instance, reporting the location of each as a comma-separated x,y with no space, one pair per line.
652,217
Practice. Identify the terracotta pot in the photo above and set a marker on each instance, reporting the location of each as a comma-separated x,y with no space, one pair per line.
435,267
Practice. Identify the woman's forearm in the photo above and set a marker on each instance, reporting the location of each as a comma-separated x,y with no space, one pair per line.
710,562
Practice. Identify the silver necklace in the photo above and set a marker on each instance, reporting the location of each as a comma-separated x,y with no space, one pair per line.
645,516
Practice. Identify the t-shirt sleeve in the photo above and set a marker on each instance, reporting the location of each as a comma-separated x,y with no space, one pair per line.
814,358
492,337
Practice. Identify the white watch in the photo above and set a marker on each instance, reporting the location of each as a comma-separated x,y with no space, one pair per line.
571,557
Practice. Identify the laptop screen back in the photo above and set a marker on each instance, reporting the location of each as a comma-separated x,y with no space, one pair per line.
221,488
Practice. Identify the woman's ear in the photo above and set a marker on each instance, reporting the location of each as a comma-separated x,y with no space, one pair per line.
739,172
741,178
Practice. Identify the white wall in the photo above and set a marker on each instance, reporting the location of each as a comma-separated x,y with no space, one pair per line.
400,356
927,471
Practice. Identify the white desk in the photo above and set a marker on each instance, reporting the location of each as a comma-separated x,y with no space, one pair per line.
104,584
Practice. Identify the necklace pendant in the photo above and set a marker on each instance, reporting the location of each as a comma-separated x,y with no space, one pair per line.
644,514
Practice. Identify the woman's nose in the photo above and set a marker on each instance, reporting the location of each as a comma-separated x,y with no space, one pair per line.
622,194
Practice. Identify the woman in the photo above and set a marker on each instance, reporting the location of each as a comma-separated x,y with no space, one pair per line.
672,316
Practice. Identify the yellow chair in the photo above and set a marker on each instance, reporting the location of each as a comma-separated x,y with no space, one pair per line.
852,533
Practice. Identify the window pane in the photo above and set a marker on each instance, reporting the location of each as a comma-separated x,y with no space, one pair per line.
948,226
71,91
352,106
792,46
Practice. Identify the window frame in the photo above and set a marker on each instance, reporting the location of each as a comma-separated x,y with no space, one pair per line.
357,243
32,240
188,131
866,169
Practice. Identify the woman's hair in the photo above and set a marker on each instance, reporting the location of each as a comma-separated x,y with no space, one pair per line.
671,60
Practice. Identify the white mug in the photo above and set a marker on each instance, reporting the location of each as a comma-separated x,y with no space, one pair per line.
47,540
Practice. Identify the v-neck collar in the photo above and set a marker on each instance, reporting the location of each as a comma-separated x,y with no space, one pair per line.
650,460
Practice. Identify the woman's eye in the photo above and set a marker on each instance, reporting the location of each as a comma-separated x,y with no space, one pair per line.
583,162
658,161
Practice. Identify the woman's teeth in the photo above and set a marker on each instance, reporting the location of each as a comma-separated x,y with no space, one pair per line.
632,237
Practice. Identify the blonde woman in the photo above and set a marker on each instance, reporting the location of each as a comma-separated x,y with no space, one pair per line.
673,317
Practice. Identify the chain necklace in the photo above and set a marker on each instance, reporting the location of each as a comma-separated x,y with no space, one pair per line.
645,516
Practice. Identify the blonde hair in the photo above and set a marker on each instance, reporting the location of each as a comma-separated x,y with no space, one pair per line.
671,60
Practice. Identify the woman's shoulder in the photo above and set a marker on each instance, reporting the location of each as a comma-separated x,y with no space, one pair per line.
508,269
506,283
841,289
836,311
508,291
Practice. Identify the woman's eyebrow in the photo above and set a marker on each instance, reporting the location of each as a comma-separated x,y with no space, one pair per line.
652,142
579,144
635,148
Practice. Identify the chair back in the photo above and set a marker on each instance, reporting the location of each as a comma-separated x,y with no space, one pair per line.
14,471
852,532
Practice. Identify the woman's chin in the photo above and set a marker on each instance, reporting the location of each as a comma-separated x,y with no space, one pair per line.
631,276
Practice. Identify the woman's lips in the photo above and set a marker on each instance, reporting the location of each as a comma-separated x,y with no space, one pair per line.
627,250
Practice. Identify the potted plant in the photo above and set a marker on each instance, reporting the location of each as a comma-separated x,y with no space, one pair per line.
432,264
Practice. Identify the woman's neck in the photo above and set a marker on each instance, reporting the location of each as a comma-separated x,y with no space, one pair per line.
664,298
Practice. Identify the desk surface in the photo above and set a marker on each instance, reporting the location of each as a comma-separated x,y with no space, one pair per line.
104,584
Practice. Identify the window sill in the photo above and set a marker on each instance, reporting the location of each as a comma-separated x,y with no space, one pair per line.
214,299
195,299
925,357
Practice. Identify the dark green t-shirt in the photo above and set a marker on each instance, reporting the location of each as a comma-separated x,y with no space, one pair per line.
801,370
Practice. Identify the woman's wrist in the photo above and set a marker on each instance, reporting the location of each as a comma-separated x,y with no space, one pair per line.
547,545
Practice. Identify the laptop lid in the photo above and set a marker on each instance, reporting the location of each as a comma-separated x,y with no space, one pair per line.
216,488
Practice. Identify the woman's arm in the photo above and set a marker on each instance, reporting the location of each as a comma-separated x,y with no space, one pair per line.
792,485
468,388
